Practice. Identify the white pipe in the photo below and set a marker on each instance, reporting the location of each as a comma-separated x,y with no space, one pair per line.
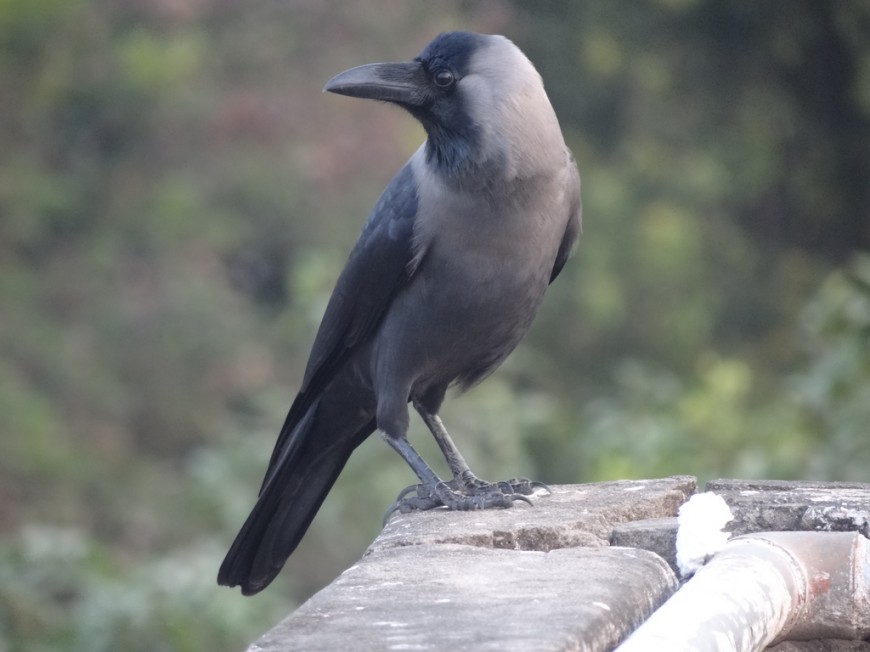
761,588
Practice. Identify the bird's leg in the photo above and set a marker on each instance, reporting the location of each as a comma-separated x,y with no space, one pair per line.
434,492
463,478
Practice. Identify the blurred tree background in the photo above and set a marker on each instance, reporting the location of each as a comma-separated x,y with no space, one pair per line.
177,198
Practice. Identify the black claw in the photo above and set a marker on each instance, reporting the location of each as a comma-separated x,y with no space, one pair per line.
541,485
408,490
392,510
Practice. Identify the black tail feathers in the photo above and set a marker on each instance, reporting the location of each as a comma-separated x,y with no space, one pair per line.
296,484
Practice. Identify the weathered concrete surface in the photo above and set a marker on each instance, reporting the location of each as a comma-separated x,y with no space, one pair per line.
658,535
762,506
573,515
770,505
547,577
539,577
455,597
827,645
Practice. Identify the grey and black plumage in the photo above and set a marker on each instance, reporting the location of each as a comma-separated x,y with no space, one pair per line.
443,283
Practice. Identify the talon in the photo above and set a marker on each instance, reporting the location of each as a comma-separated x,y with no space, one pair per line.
411,488
392,510
519,497
536,484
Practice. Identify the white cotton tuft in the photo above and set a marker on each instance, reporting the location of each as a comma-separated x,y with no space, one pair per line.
700,534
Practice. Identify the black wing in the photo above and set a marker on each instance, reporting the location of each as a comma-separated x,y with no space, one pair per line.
379,265
574,227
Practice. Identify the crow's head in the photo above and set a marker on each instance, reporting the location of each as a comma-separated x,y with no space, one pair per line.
478,97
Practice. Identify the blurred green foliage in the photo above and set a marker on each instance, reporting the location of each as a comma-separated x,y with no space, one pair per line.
177,198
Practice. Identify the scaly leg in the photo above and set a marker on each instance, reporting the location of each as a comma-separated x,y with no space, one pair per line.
434,492
465,491
463,476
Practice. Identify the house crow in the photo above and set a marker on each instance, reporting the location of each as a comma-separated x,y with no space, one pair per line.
443,283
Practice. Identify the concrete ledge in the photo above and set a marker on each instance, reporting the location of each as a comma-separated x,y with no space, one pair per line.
527,578
827,645
456,597
777,505
573,515
578,571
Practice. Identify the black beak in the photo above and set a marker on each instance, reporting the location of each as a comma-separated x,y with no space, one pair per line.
402,83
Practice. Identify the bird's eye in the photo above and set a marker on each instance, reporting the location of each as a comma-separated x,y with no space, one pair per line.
443,78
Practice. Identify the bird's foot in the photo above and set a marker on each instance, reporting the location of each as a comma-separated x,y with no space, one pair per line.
466,493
